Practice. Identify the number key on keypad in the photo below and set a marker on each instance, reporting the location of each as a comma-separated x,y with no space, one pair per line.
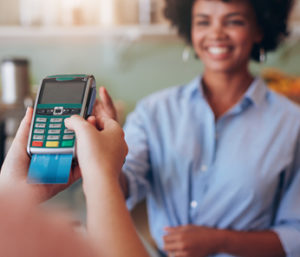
39,131
40,125
52,137
54,131
38,137
65,137
55,125
56,120
68,131
41,119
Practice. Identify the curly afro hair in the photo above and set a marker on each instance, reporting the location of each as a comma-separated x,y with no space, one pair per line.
272,17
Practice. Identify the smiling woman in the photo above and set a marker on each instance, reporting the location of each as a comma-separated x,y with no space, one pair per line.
218,158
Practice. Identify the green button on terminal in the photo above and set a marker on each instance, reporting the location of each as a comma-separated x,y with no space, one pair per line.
67,143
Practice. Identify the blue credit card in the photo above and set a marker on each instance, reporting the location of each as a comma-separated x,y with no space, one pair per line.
50,168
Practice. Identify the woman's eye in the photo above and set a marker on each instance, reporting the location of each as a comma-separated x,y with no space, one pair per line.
236,22
202,23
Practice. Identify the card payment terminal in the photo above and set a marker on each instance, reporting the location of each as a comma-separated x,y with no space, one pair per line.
51,145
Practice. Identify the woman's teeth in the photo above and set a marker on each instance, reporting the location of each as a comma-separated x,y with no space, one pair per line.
218,50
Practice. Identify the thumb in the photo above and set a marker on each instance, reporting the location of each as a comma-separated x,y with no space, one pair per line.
77,124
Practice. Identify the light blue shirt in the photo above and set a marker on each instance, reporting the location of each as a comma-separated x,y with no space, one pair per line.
241,172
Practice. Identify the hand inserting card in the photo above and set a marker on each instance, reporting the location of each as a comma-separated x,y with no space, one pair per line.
51,145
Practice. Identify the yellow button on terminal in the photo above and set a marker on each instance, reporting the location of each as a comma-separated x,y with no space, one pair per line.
52,143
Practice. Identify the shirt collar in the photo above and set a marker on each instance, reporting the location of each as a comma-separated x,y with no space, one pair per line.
257,91
194,88
255,94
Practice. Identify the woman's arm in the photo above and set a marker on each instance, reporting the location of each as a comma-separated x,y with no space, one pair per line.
101,154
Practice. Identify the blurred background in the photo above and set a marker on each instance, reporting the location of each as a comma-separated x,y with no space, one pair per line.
126,44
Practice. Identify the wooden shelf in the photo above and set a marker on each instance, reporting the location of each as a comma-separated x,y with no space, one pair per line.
134,32
92,33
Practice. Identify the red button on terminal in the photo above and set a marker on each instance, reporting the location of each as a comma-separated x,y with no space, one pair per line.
37,143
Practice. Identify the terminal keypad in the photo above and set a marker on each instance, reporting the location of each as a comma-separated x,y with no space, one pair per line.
50,132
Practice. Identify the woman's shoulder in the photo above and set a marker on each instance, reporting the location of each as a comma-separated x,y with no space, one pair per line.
284,104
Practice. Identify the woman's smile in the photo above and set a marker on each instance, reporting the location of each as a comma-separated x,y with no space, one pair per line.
218,52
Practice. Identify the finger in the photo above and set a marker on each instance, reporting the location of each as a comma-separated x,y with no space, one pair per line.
108,104
105,97
98,106
170,238
171,230
112,125
106,123
75,123
92,120
172,247
180,254
80,126
100,122
94,107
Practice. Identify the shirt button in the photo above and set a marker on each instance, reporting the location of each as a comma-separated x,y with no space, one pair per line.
203,168
194,204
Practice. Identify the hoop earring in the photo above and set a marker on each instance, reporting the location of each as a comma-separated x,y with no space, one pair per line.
262,55
186,53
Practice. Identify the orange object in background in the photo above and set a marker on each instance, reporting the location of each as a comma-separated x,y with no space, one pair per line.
283,83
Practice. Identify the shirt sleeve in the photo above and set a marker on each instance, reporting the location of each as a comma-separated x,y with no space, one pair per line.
287,222
137,163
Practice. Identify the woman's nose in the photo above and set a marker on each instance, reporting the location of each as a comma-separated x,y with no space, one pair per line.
217,31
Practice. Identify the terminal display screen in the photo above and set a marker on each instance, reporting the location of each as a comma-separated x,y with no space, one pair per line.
62,92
